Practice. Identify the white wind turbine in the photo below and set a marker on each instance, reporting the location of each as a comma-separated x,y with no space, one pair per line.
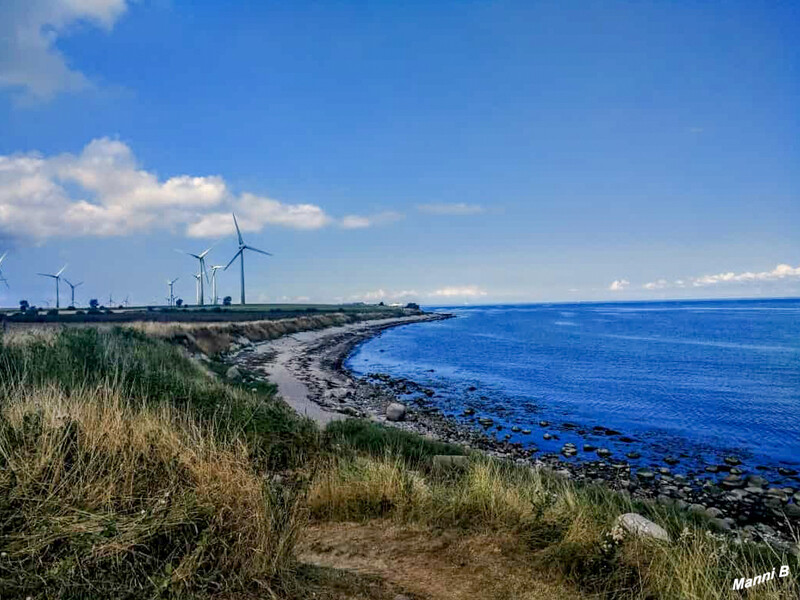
171,297
240,254
72,287
198,288
2,258
202,259
214,269
57,277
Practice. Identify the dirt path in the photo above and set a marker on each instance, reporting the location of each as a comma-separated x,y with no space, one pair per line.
431,565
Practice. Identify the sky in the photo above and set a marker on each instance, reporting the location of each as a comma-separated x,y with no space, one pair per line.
438,152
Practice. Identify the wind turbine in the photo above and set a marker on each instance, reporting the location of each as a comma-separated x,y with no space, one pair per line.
240,253
202,258
57,277
2,258
198,287
214,269
72,286
171,294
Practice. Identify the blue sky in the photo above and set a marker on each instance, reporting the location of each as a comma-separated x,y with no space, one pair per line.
442,152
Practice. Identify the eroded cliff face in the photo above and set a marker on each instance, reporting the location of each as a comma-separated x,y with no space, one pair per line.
215,338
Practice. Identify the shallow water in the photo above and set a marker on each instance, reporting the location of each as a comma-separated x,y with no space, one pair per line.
701,379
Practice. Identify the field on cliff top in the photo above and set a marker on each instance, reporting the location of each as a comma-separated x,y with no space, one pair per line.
127,470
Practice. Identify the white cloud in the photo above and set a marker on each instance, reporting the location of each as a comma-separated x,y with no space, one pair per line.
457,208
618,285
361,221
29,29
355,222
254,213
104,192
469,291
656,285
381,294
781,271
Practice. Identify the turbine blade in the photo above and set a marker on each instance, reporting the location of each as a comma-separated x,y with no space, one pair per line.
235,256
238,231
68,283
2,258
77,284
46,275
257,250
61,271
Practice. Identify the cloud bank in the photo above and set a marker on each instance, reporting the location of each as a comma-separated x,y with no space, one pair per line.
456,292
782,272
104,192
29,29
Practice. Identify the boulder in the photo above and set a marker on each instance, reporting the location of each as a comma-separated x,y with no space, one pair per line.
632,524
233,374
396,411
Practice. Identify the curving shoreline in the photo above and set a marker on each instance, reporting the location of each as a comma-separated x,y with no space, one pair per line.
309,370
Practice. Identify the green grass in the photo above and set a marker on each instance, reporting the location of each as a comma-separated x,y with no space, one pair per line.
128,470
564,528
358,436
151,371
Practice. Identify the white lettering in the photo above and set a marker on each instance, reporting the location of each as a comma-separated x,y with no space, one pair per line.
784,571
738,584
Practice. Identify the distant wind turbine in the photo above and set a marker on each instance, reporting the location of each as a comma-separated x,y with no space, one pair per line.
2,278
72,287
199,288
240,253
57,277
214,269
202,259
171,297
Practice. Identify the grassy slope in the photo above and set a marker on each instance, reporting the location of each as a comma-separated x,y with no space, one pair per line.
126,471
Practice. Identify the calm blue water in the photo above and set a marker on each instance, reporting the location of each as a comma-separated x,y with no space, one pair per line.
700,378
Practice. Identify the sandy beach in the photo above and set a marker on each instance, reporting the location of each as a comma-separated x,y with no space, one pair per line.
306,366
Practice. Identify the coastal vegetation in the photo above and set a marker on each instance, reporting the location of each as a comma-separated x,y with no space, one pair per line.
129,470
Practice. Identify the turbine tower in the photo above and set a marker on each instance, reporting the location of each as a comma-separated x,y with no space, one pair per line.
171,297
199,288
3,279
214,269
72,286
240,253
202,259
57,277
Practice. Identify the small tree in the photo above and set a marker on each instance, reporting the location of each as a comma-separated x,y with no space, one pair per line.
23,305
179,302
93,303
226,301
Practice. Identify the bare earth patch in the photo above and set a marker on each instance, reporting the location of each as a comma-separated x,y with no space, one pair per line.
443,565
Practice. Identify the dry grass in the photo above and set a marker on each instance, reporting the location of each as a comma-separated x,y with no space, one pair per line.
564,528
212,338
106,496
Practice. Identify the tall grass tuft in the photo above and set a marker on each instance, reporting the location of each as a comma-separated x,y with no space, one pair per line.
145,370
105,498
564,527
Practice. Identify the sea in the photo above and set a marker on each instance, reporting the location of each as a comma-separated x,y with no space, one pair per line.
698,380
